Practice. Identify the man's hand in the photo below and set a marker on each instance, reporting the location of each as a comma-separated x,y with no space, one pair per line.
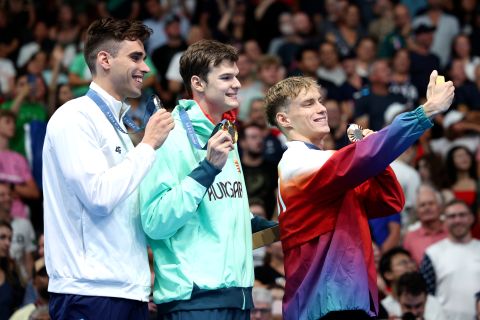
439,96
218,148
158,127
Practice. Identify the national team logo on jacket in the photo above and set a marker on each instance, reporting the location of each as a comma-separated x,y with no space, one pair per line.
237,165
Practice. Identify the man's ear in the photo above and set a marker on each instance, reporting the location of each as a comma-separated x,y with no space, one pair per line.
197,84
103,59
283,120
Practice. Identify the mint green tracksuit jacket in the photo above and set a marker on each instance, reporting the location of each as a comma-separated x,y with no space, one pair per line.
197,221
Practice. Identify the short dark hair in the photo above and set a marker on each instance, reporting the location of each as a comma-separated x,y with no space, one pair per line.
8,114
107,33
303,49
243,129
6,224
458,201
200,56
412,283
385,264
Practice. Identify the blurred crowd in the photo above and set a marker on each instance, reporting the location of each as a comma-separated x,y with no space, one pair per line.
372,59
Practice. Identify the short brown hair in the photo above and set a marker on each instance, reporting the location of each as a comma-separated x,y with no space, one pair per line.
8,114
268,60
202,55
107,33
281,94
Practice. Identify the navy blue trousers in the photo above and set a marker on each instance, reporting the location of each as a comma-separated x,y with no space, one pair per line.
76,307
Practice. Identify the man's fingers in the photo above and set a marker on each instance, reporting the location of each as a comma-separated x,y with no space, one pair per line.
433,77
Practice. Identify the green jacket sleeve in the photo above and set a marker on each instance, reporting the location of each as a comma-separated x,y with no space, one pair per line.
172,191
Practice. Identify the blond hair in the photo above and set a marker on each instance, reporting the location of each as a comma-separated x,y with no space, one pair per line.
280,95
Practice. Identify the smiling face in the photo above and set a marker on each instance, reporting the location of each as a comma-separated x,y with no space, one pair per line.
458,220
219,91
306,117
127,69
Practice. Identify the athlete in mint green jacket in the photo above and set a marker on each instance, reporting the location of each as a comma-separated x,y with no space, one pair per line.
197,218
195,212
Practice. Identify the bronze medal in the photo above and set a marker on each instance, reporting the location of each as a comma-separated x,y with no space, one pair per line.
232,130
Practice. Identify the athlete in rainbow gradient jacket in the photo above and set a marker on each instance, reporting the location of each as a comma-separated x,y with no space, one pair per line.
326,198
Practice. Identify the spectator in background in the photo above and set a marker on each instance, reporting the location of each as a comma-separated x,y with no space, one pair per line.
287,33
460,165
66,30
234,26
15,169
383,23
366,53
422,61
458,131
401,81
175,84
394,264
10,36
386,231
308,62
11,291
302,36
274,140
262,301
399,37
79,75
347,31
27,105
260,175
156,20
351,88
257,208
40,283
370,108
330,66
253,50
337,123
462,49
431,170
410,181
412,296
266,15
23,247
268,73
451,267
431,230
40,41
446,28
468,94
272,272
162,56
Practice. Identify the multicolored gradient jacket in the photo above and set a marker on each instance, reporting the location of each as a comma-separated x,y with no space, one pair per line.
325,200
197,220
